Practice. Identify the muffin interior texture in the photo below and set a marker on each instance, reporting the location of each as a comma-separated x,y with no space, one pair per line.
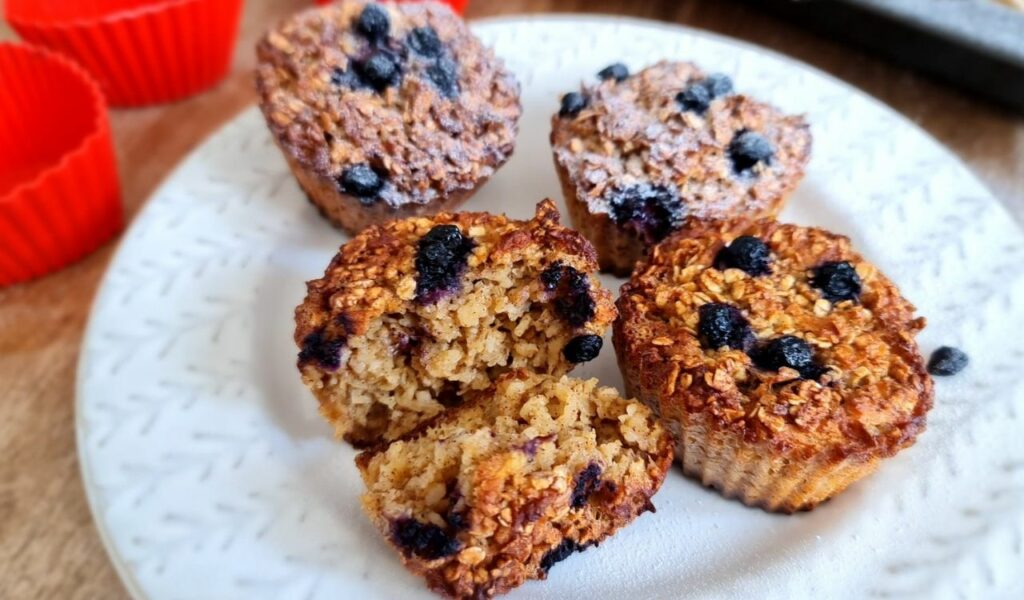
383,350
770,354
504,481
397,102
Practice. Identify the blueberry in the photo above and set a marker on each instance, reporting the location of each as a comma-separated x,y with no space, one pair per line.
723,326
695,98
748,149
424,41
573,301
559,553
583,348
947,361
346,79
373,22
321,349
425,540
361,181
440,260
379,70
445,76
837,281
572,104
698,95
652,211
587,482
747,253
787,351
617,71
718,84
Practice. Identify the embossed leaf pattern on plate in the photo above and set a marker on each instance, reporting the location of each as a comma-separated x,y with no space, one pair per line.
211,475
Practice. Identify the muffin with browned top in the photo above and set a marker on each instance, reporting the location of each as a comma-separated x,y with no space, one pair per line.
784,362
412,315
385,111
668,148
497,491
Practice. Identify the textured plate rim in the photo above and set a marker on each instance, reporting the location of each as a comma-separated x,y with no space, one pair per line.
120,565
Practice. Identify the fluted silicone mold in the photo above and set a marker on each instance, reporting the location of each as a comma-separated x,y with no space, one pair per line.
59,193
141,51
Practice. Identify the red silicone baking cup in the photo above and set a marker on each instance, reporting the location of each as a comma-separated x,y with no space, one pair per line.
459,6
141,51
59,194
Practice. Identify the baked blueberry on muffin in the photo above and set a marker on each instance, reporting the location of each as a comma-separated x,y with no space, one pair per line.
784,363
385,111
500,489
412,315
670,147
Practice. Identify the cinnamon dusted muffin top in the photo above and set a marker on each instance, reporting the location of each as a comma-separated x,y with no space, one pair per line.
397,103
786,334
678,142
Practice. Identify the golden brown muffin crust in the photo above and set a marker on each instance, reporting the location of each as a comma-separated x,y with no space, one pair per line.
428,145
870,403
381,360
498,490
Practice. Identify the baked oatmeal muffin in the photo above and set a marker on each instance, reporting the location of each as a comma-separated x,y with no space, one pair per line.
385,111
784,363
497,491
640,156
413,314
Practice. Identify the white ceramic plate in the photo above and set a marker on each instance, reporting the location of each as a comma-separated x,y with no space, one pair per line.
211,475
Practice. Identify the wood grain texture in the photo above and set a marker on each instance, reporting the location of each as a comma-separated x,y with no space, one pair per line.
49,547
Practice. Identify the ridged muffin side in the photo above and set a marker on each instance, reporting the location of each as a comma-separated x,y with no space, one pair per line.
784,384
671,148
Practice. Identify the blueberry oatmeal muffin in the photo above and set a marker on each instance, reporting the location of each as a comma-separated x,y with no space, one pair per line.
784,363
498,490
385,111
413,314
641,156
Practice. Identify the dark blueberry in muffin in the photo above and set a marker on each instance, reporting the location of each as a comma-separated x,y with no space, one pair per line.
425,540
373,22
379,70
346,79
723,326
321,349
573,301
747,253
424,41
587,482
361,181
617,71
572,104
445,76
652,211
695,98
718,84
583,348
837,281
947,361
788,351
440,260
748,149
559,553
457,520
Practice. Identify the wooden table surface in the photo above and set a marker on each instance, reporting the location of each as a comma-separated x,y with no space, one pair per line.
49,547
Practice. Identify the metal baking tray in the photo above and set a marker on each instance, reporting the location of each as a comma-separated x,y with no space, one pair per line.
977,45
